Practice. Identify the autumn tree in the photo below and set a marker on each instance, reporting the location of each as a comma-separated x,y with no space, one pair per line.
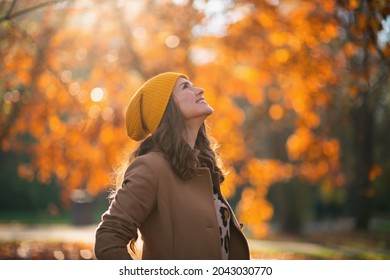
70,67
366,87
281,75
299,69
66,79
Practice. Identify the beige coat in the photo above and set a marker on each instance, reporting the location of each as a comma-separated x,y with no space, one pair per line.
176,218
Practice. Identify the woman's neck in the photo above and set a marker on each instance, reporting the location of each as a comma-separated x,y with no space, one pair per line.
192,129
191,133
190,137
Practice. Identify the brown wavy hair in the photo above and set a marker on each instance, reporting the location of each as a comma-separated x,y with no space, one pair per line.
168,139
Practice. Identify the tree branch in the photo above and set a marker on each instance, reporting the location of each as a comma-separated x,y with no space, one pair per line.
10,16
55,75
11,8
128,40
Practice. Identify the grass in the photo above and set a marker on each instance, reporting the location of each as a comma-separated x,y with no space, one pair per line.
349,245
31,218
43,217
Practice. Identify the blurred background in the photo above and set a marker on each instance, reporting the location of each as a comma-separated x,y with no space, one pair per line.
301,97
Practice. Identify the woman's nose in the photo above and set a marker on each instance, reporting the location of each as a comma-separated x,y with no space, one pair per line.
199,91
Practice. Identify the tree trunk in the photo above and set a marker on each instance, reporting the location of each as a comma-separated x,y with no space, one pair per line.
362,119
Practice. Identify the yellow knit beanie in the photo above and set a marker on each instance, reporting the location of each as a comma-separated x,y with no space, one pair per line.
147,106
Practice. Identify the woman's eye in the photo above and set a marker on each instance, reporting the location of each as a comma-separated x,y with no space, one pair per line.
186,85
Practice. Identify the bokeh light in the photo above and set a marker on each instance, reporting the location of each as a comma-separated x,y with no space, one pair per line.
97,94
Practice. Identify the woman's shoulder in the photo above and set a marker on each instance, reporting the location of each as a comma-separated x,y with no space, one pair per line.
154,159
150,165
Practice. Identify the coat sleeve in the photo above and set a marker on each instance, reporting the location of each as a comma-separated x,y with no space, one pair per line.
133,203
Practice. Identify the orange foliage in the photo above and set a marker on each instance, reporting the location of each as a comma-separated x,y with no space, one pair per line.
299,142
254,211
375,171
276,112
262,174
288,41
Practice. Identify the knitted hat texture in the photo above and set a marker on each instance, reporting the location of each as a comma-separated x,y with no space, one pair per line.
147,106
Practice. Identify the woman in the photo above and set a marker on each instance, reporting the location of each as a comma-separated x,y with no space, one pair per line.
171,189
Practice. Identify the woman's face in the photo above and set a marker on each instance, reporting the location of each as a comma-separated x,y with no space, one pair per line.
190,101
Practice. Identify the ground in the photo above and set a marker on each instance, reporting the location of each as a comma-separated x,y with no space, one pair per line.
20,241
